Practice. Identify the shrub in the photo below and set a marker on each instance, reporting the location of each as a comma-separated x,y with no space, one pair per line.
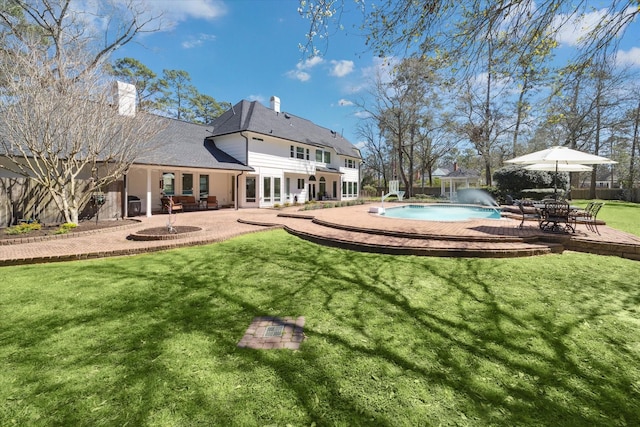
513,179
66,227
370,190
23,228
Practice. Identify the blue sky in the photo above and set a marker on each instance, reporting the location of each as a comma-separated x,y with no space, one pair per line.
248,49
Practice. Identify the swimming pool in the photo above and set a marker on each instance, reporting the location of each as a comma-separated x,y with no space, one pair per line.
443,212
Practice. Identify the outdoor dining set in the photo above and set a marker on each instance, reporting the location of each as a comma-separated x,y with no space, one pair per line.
559,216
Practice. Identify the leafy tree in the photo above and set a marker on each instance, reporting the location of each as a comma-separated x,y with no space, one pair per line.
455,31
148,86
177,98
57,122
205,108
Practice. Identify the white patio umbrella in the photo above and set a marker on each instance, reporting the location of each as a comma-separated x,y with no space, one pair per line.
550,167
560,157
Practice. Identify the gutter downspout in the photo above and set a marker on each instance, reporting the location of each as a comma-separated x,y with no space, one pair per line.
246,156
237,201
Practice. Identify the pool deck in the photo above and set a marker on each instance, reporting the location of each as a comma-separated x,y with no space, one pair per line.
351,228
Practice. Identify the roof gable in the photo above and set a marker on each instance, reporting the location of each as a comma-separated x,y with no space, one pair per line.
184,144
252,116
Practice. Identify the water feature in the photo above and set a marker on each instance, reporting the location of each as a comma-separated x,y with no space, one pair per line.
476,196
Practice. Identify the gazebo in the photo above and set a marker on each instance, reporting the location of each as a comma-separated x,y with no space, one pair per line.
456,179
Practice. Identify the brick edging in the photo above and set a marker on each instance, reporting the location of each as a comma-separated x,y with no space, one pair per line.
21,240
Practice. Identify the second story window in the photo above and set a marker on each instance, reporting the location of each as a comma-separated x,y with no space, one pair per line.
323,156
300,153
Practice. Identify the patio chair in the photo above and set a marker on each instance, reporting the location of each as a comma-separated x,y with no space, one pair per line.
212,202
589,216
527,215
581,215
168,202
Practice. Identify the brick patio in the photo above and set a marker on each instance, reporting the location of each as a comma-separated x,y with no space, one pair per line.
347,227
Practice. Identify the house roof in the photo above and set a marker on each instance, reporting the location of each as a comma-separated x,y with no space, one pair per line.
252,116
461,173
454,171
185,144
440,172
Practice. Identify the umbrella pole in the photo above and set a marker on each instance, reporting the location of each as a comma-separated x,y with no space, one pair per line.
555,183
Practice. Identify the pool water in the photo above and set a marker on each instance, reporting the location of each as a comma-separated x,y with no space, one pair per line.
441,212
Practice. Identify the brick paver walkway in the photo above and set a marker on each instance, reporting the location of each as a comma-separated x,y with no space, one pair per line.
350,227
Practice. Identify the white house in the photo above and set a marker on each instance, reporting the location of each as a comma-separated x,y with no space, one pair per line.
250,156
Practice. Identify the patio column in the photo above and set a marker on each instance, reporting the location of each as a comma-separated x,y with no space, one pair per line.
149,193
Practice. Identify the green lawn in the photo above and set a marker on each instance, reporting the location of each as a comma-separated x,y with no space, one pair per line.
391,340
621,215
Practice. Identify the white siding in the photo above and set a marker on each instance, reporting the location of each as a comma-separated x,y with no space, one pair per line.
349,174
234,145
276,154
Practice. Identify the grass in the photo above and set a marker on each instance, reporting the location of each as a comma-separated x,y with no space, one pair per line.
621,215
391,341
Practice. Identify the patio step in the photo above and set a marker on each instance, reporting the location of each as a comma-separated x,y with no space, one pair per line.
399,243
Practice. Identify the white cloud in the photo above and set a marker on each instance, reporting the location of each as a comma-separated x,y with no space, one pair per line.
177,11
341,68
345,103
258,98
380,70
197,41
630,58
307,64
575,28
303,76
300,72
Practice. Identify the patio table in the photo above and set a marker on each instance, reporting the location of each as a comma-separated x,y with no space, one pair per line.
556,217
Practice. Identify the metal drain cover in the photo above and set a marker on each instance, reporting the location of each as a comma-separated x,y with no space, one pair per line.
274,331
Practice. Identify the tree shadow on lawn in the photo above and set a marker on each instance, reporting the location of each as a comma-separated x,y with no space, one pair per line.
391,341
